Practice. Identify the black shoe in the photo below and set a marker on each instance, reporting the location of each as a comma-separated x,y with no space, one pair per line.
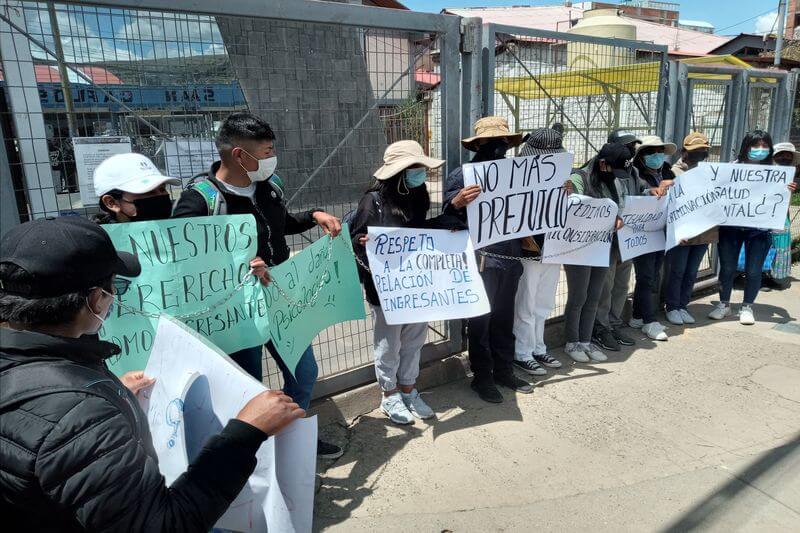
326,450
514,383
605,339
487,391
621,338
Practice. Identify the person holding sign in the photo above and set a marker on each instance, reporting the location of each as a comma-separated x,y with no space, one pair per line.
132,189
657,174
243,181
491,336
779,278
756,149
397,198
683,261
536,294
585,283
77,453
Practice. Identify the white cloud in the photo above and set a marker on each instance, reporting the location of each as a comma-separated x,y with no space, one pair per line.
767,23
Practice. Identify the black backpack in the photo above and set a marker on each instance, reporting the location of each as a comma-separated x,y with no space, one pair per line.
350,216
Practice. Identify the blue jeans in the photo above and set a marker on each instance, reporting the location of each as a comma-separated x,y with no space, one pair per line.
298,389
756,246
645,292
684,262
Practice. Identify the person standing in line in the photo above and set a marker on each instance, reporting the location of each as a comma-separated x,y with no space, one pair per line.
756,149
683,261
780,275
585,283
491,336
243,182
397,198
536,293
657,174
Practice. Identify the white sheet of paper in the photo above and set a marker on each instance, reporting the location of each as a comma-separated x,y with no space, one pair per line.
187,156
692,208
423,275
520,196
586,239
197,390
89,153
644,219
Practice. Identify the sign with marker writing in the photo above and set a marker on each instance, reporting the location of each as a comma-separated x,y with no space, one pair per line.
586,238
644,219
520,196
425,275
751,196
322,287
692,208
188,265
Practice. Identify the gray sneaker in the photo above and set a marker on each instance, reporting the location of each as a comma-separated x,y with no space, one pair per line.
416,406
395,408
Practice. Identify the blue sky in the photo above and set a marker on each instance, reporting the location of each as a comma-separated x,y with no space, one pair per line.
721,13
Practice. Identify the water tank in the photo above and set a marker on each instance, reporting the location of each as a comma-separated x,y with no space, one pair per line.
601,23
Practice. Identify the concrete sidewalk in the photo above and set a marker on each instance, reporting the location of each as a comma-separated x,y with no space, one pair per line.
699,432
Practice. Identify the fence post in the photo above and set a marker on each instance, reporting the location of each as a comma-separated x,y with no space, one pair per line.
488,63
451,93
782,114
471,73
738,114
668,104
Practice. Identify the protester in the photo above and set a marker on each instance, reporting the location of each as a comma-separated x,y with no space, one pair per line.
397,198
77,452
491,336
536,293
609,318
585,284
649,160
683,261
244,182
132,189
780,275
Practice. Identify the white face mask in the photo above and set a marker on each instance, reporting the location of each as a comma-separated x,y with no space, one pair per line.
266,168
101,319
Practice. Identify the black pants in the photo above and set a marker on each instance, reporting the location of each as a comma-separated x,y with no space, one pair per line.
491,337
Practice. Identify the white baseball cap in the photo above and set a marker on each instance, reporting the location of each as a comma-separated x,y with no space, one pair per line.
133,173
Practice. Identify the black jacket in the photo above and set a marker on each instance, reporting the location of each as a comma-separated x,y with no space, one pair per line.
369,213
73,461
512,248
273,221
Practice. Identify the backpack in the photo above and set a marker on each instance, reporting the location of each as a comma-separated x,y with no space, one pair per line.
33,380
215,200
350,216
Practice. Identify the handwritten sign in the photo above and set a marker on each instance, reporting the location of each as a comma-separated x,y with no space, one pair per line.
197,390
424,275
644,219
188,265
321,288
520,196
751,196
586,239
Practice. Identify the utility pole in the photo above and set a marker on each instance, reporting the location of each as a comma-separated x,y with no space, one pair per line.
66,88
781,26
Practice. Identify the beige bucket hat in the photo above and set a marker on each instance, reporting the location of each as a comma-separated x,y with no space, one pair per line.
401,155
787,147
649,141
491,128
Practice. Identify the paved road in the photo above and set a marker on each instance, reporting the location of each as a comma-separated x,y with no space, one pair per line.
701,432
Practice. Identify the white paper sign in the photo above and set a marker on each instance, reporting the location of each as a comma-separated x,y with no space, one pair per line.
520,196
197,390
692,208
187,157
423,275
586,239
644,219
752,196
89,153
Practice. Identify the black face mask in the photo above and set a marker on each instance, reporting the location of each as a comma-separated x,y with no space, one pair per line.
694,158
492,150
152,208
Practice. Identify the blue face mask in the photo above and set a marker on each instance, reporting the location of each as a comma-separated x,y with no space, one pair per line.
654,161
757,154
415,177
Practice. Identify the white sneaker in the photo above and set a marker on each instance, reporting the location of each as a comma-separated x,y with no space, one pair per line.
594,353
416,405
655,331
576,352
687,317
636,323
746,315
395,408
676,317
720,311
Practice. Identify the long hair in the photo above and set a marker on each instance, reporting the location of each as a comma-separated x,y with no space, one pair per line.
750,140
410,205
